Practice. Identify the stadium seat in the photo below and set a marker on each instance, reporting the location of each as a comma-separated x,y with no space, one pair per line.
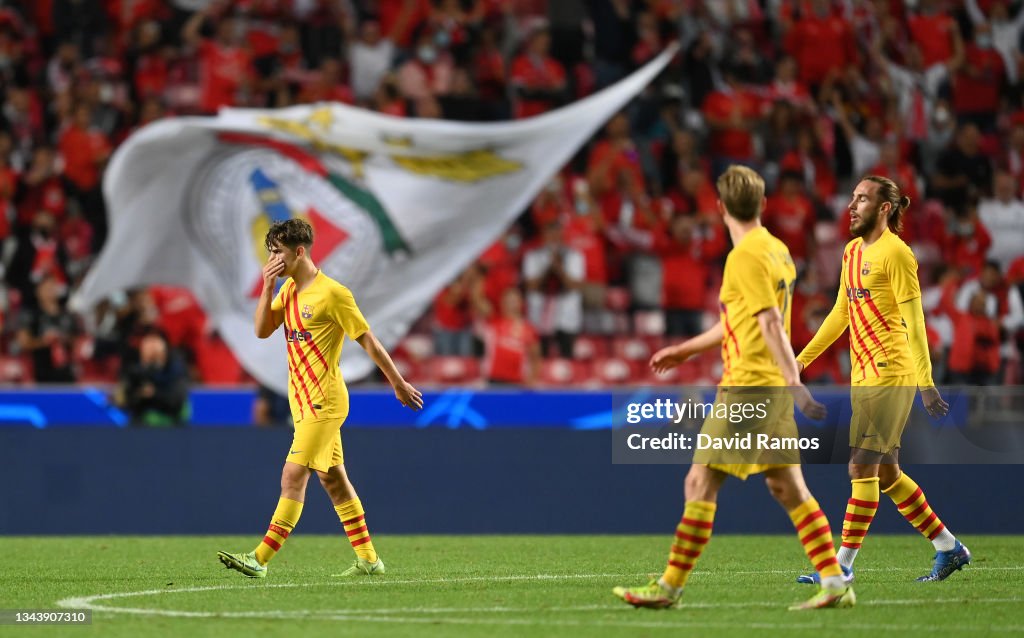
454,369
418,347
90,369
631,348
15,369
587,348
407,367
619,322
671,377
649,322
614,370
564,372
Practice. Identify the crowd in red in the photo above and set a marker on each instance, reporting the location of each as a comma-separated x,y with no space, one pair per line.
622,252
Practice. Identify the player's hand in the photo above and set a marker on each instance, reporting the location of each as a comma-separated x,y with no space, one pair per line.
409,396
799,366
272,270
669,357
806,403
934,403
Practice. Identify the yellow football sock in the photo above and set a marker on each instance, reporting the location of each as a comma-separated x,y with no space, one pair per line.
286,517
353,518
860,511
692,534
914,506
816,536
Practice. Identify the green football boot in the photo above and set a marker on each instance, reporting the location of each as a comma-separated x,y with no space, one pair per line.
245,563
652,595
826,598
363,567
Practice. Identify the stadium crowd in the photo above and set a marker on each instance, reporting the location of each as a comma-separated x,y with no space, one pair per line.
623,250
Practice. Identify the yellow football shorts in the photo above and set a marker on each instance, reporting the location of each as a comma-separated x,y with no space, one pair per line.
880,412
317,444
778,421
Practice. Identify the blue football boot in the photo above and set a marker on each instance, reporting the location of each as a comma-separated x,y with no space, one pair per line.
948,562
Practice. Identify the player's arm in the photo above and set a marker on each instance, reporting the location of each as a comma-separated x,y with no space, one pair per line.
759,290
835,324
269,310
913,316
671,356
406,394
907,290
774,333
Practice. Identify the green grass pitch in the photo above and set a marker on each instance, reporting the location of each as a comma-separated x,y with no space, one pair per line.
498,586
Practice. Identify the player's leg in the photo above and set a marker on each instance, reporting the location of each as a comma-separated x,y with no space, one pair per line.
692,534
950,554
294,478
349,509
864,469
787,485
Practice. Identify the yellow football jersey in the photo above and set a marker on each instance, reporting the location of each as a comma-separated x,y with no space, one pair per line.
316,321
875,280
759,274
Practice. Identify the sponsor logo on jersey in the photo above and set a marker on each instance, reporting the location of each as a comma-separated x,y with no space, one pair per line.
298,335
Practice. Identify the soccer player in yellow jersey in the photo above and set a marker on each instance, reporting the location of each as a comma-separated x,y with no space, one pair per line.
880,301
752,333
317,313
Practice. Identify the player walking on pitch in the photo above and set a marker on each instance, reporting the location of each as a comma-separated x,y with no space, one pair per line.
317,313
880,301
753,336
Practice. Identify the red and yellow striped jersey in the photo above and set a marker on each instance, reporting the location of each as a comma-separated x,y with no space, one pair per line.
316,321
759,274
875,280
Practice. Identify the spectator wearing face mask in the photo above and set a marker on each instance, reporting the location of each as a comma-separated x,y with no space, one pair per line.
427,75
155,390
1005,33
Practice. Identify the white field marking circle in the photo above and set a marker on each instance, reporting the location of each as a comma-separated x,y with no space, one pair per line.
408,615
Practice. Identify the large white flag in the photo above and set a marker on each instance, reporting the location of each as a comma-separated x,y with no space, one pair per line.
399,207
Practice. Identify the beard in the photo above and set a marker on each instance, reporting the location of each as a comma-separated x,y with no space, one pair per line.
866,224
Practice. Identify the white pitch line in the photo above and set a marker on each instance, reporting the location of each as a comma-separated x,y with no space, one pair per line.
415,615
83,601
866,569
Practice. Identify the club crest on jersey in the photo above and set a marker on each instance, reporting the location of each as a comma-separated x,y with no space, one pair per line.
865,268
307,311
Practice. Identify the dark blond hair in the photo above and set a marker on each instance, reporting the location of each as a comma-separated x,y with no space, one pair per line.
741,190
889,192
